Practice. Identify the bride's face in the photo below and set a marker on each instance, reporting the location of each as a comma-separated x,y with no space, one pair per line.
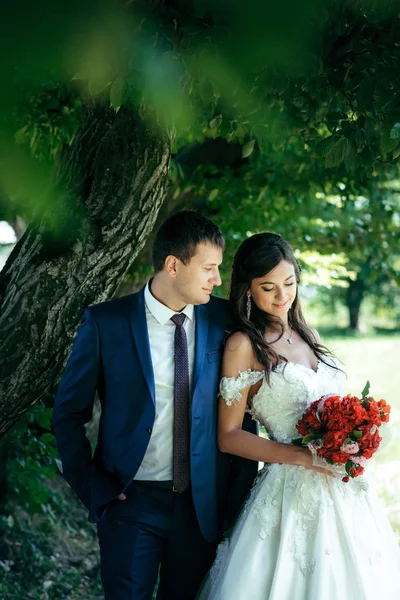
275,292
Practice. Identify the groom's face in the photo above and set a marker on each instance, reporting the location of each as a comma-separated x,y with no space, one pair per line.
195,281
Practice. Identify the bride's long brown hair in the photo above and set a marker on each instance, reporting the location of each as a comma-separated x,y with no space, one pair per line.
257,256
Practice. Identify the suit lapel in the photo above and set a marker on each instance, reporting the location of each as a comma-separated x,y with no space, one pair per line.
201,312
138,325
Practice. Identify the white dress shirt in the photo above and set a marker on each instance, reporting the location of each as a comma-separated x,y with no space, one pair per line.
157,462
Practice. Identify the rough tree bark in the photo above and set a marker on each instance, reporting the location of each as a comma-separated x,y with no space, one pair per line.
135,278
113,181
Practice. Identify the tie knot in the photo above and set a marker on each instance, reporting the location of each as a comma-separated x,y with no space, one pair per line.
178,319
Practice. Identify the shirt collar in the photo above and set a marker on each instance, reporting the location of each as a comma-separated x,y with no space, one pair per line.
161,312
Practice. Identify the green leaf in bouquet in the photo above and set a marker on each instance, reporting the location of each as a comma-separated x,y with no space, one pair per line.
310,437
348,466
365,391
355,435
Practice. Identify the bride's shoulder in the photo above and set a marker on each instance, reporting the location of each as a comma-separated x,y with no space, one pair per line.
239,354
239,342
240,368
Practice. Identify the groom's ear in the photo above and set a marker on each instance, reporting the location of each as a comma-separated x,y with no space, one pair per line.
170,265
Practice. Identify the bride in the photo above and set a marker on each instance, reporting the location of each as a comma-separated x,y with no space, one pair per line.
302,534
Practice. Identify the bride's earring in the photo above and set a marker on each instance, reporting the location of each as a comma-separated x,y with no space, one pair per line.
248,306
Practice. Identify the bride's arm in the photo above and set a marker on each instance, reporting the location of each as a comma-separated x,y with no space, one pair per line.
239,357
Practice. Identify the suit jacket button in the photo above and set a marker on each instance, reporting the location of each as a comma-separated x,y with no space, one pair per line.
148,430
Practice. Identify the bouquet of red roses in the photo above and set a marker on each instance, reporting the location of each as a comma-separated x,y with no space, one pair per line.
344,430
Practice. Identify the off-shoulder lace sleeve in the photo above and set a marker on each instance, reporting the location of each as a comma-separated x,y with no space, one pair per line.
229,387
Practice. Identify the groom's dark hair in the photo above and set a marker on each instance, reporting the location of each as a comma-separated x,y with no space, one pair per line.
179,235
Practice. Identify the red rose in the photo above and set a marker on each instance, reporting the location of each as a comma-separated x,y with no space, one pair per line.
384,410
356,471
372,409
369,442
340,457
301,428
334,439
353,411
311,421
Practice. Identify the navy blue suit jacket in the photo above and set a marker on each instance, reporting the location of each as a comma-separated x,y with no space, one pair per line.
111,354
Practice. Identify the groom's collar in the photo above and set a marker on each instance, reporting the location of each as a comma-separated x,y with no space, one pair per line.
161,312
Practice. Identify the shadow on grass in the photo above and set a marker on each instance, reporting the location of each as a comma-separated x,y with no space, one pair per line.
345,332
386,331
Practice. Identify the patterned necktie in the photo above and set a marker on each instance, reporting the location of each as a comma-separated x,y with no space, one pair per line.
181,460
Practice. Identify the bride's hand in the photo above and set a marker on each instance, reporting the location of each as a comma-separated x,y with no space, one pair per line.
312,461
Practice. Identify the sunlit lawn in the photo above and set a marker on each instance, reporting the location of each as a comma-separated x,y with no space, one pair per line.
377,359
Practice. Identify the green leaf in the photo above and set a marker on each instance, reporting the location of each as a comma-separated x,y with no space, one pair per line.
336,154
324,146
261,132
47,438
355,435
310,437
117,93
395,132
248,148
386,142
216,122
43,418
96,86
349,465
365,391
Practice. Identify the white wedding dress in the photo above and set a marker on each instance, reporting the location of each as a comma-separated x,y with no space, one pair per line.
302,535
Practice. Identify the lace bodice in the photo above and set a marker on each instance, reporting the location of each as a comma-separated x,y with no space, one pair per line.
293,387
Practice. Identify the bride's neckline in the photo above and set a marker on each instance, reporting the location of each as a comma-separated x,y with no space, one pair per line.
290,362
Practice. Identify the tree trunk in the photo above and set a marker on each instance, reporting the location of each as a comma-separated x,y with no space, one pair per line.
113,181
138,273
354,297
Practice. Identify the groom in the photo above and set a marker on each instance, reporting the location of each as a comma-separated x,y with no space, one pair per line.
156,485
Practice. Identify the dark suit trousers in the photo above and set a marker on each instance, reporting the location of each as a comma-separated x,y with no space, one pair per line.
154,531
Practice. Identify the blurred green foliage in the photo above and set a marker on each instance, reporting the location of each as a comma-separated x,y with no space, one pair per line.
345,228
318,79
307,93
29,461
